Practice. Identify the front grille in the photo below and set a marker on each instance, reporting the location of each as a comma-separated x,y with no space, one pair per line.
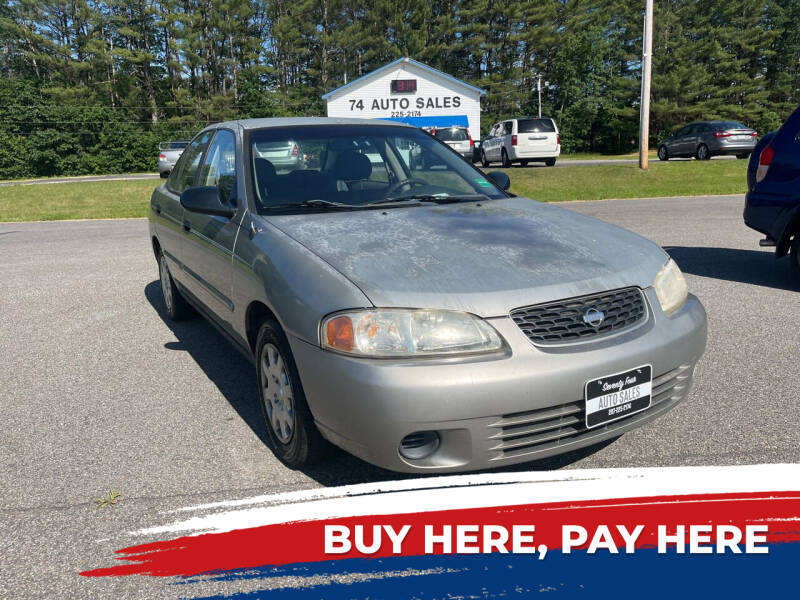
559,322
532,431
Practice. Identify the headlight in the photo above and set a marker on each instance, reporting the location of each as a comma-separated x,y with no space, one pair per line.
670,287
386,333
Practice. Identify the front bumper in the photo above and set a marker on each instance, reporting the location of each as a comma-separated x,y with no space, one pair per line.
491,412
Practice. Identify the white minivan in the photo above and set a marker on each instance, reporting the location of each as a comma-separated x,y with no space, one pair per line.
521,141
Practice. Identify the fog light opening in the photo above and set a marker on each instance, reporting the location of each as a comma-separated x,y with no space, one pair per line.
420,444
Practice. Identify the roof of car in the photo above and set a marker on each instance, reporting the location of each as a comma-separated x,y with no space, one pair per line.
302,121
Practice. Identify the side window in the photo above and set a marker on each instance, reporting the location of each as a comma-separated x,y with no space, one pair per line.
495,131
683,132
183,176
508,127
219,165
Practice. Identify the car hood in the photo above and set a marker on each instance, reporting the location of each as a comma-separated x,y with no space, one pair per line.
485,259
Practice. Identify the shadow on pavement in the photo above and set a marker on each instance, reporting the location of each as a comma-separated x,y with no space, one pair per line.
235,378
732,264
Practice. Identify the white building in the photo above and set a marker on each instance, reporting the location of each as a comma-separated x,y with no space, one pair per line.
409,91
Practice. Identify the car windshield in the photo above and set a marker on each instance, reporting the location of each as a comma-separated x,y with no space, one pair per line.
452,134
324,167
535,126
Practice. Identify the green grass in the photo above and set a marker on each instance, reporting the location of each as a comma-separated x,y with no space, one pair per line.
85,200
683,178
597,156
117,199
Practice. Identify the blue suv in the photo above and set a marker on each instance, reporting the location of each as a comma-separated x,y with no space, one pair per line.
772,206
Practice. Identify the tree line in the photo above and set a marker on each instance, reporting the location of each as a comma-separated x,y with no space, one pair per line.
92,86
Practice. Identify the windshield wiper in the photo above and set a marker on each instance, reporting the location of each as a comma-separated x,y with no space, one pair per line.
429,198
313,203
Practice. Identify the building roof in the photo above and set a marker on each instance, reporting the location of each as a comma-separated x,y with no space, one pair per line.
408,61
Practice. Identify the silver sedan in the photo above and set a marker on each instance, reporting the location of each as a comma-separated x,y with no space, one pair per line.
409,309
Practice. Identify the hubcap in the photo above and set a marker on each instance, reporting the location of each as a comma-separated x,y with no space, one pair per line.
276,393
166,284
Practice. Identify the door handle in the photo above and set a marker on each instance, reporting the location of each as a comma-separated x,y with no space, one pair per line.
186,225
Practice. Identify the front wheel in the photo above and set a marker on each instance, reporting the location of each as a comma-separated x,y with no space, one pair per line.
703,152
291,431
743,156
484,162
794,254
523,163
504,159
662,153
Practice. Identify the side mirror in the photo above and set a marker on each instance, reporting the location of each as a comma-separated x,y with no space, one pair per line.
500,179
207,200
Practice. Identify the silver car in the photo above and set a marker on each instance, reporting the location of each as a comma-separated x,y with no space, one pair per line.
418,315
458,138
168,155
709,138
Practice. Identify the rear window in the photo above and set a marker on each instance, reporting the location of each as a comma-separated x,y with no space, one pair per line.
535,126
729,125
176,145
452,135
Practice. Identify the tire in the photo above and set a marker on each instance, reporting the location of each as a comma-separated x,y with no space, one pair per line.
523,163
550,162
703,152
484,162
291,431
163,174
663,154
794,254
177,307
504,159
743,156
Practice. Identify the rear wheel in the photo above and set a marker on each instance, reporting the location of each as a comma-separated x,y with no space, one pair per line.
484,162
164,174
743,156
794,254
504,159
703,152
523,163
177,306
662,153
291,431
550,162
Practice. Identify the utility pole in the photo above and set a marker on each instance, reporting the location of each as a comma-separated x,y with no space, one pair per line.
540,95
647,69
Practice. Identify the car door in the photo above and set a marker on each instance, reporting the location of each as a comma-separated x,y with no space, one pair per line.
167,204
506,131
208,240
492,143
679,143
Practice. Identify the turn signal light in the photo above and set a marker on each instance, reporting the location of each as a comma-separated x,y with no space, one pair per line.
339,333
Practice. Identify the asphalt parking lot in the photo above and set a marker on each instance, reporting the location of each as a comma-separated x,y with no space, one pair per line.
98,390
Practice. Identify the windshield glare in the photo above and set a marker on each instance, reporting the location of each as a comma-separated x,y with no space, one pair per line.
356,166
452,134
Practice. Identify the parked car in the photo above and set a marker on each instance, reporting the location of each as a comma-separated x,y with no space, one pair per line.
772,204
458,138
168,154
522,141
425,320
476,151
709,138
283,154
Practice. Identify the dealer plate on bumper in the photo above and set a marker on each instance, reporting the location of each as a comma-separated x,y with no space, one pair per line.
616,396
